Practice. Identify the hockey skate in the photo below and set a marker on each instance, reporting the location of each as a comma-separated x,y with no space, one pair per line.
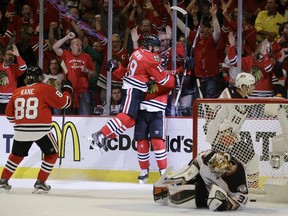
4,184
98,141
162,171
144,174
41,187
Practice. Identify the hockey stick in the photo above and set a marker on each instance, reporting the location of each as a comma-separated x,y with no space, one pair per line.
184,12
61,150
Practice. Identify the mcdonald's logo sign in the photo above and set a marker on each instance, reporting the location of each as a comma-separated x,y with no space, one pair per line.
63,135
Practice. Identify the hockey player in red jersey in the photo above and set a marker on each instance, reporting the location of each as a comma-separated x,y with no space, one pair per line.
150,129
30,111
150,125
144,63
213,180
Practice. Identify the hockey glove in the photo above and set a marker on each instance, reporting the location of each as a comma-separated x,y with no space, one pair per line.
66,85
112,65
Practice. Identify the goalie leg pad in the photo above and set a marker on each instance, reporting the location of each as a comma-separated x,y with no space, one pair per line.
160,194
252,172
183,196
217,199
184,175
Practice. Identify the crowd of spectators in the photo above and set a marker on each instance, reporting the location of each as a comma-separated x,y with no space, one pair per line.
76,32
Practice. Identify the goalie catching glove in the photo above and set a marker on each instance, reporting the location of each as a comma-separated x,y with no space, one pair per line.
66,85
112,65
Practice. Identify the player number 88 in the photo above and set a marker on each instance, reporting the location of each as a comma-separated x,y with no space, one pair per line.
26,108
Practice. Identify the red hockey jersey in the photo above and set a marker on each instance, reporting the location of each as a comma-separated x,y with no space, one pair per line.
262,69
9,78
143,65
30,110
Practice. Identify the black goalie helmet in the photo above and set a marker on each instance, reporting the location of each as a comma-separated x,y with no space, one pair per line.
151,40
33,75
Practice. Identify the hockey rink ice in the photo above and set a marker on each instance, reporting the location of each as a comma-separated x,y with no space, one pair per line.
85,198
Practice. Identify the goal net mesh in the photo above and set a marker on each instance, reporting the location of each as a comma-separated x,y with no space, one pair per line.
244,128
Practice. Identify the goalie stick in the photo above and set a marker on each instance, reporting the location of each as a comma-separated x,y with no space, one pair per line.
165,174
63,65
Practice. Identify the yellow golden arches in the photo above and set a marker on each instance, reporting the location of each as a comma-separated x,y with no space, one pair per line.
75,138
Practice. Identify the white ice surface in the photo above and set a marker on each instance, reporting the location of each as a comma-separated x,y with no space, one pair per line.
83,198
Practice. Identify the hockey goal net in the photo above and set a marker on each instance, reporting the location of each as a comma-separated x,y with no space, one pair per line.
245,128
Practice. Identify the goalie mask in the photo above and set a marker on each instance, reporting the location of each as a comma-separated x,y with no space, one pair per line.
153,41
33,75
219,163
245,79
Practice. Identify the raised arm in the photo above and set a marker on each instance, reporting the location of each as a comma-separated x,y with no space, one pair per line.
57,46
216,25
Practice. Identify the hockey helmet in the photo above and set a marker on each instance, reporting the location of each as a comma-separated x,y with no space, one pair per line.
219,163
244,79
33,75
151,40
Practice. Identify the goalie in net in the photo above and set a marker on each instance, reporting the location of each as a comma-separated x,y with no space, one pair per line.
213,180
223,127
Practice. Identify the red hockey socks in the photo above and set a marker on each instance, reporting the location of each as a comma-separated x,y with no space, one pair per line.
11,166
118,125
46,167
160,152
143,153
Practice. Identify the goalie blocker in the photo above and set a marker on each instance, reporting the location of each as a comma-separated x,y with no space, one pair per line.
213,180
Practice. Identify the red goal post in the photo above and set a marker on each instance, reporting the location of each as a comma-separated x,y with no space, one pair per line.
255,134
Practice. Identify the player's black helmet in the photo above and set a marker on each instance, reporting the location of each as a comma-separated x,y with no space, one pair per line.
33,75
151,40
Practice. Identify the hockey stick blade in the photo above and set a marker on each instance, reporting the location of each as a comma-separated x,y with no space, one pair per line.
179,9
165,174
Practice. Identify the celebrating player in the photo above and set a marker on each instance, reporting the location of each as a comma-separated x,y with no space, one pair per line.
150,128
30,111
144,64
213,179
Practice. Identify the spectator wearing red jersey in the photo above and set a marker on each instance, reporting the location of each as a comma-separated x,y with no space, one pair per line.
22,28
9,73
81,69
259,64
118,53
248,30
50,14
206,65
